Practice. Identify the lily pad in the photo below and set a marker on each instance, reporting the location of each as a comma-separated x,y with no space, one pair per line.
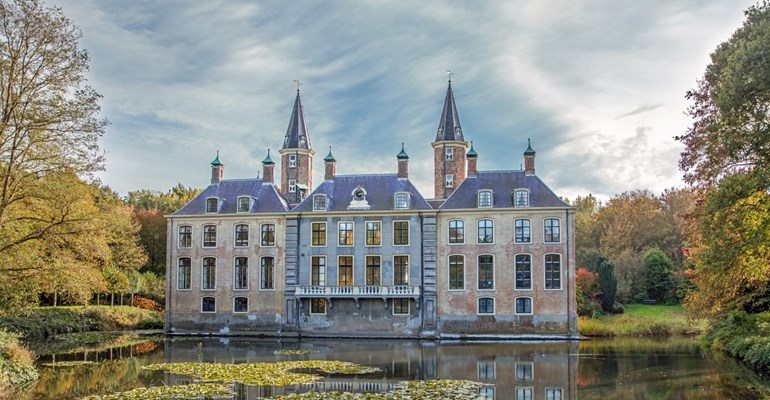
411,390
181,392
288,352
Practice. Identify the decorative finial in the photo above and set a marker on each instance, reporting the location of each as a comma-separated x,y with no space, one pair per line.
402,146
450,73
298,83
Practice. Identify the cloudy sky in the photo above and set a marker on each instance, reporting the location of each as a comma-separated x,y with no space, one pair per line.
597,85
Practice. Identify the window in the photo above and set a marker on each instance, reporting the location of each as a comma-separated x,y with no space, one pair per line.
209,273
486,305
456,272
523,271
524,393
267,235
185,236
485,199
292,185
267,270
488,393
208,304
209,236
486,231
319,202
552,230
183,269
318,271
317,306
449,153
486,272
521,198
553,393
373,270
318,234
401,233
400,306
552,271
244,204
523,305
449,180
522,231
345,269
486,370
524,371
241,273
402,200
373,233
400,270
241,235
292,160
211,204
456,231
345,234
241,305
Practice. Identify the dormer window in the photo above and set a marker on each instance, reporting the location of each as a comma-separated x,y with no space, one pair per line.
211,204
292,185
449,153
521,198
244,204
485,198
319,202
449,180
402,200
292,160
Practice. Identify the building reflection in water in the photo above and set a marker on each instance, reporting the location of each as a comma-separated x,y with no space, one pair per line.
520,370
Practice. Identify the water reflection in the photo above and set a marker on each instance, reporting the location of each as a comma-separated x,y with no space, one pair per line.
617,369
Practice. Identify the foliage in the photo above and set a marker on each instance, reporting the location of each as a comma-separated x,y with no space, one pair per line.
444,389
291,352
17,367
642,320
607,283
588,292
147,304
172,392
45,322
659,276
743,336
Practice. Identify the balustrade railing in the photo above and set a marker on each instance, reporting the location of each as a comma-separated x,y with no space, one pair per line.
358,291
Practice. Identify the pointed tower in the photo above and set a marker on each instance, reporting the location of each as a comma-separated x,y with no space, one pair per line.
529,159
448,150
217,170
296,157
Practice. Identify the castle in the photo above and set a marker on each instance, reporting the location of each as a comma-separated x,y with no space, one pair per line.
367,255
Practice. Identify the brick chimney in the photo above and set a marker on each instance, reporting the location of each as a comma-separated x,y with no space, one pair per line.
403,163
330,166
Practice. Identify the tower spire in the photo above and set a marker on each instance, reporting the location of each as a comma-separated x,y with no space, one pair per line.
449,125
296,155
297,136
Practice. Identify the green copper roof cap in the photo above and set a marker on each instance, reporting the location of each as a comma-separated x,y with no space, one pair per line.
402,155
216,162
471,153
329,157
529,151
268,160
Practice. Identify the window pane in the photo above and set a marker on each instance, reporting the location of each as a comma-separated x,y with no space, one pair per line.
209,236
208,304
522,231
486,305
486,272
456,272
241,304
552,271
522,198
486,231
523,305
402,200
267,270
401,306
268,235
241,235
456,231
345,271
401,270
185,236
209,273
241,273
373,270
318,271
485,198
319,202
211,205
243,204
319,234
183,273
552,230
345,234
373,230
401,233
449,180
523,271
318,306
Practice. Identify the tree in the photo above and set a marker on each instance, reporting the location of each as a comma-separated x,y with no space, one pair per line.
659,276
607,283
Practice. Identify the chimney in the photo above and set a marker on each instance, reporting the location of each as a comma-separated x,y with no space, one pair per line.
529,160
403,163
217,170
471,156
330,166
268,166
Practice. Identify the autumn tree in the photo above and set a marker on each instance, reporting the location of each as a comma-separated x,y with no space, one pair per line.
607,283
659,276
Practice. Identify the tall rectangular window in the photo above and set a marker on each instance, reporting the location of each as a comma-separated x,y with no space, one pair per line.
402,200
524,371
456,231
318,234
185,236
319,202
373,270
209,236
552,230
292,160
456,272
523,234
486,272
485,199
524,393
209,273
449,180
373,233
345,270
521,198
267,235
401,233
552,271
450,153
244,204
318,271
241,235
345,234
292,185
523,271
400,270
211,205
183,271
241,273
486,231
267,273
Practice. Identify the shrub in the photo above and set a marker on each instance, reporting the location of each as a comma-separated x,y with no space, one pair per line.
147,304
744,336
17,367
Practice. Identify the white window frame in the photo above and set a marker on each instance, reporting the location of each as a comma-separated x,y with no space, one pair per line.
531,305
203,259
326,236
488,392
177,274
235,275
479,363
275,235
544,236
215,305
408,307
216,208
325,270
310,306
408,269
531,273
493,231
292,185
366,268
407,200
292,161
179,237
531,368
238,204
261,274
449,153
247,304
352,269
408,232
449,180
528,388
516,197
478,270
203,236
325,202
352,229
491,198
515,238
478,306
561,274
449,232
560,390
449,272
235,235
366,233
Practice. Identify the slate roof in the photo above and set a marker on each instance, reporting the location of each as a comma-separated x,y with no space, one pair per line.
297,135
268,199
449,125
380,190
502,183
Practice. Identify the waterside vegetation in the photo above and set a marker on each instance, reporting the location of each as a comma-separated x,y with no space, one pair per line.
642,320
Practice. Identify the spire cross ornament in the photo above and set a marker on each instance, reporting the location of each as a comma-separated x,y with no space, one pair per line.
450,73
298,83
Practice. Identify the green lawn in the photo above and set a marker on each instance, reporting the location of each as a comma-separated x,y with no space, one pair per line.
642,320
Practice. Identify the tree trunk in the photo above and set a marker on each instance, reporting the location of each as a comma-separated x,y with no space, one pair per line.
55,298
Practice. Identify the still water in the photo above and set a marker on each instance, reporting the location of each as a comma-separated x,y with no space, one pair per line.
675,368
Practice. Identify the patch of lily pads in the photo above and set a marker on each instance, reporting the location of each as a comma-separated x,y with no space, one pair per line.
411,390
192,391
288,352
66,364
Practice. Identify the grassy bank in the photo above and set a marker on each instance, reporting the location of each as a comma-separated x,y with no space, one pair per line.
746,337
641,320
16,365
44,322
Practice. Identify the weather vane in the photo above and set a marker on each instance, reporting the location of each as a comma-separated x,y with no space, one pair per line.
298,83
450,73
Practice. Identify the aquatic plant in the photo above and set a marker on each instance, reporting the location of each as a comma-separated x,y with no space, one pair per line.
192,391
410,390
288,352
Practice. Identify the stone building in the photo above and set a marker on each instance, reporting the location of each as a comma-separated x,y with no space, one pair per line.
492,255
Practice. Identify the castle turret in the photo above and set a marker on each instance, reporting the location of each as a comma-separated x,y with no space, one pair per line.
448,149
296,156
217,170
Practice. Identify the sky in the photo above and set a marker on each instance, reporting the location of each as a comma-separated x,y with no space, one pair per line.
598,86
